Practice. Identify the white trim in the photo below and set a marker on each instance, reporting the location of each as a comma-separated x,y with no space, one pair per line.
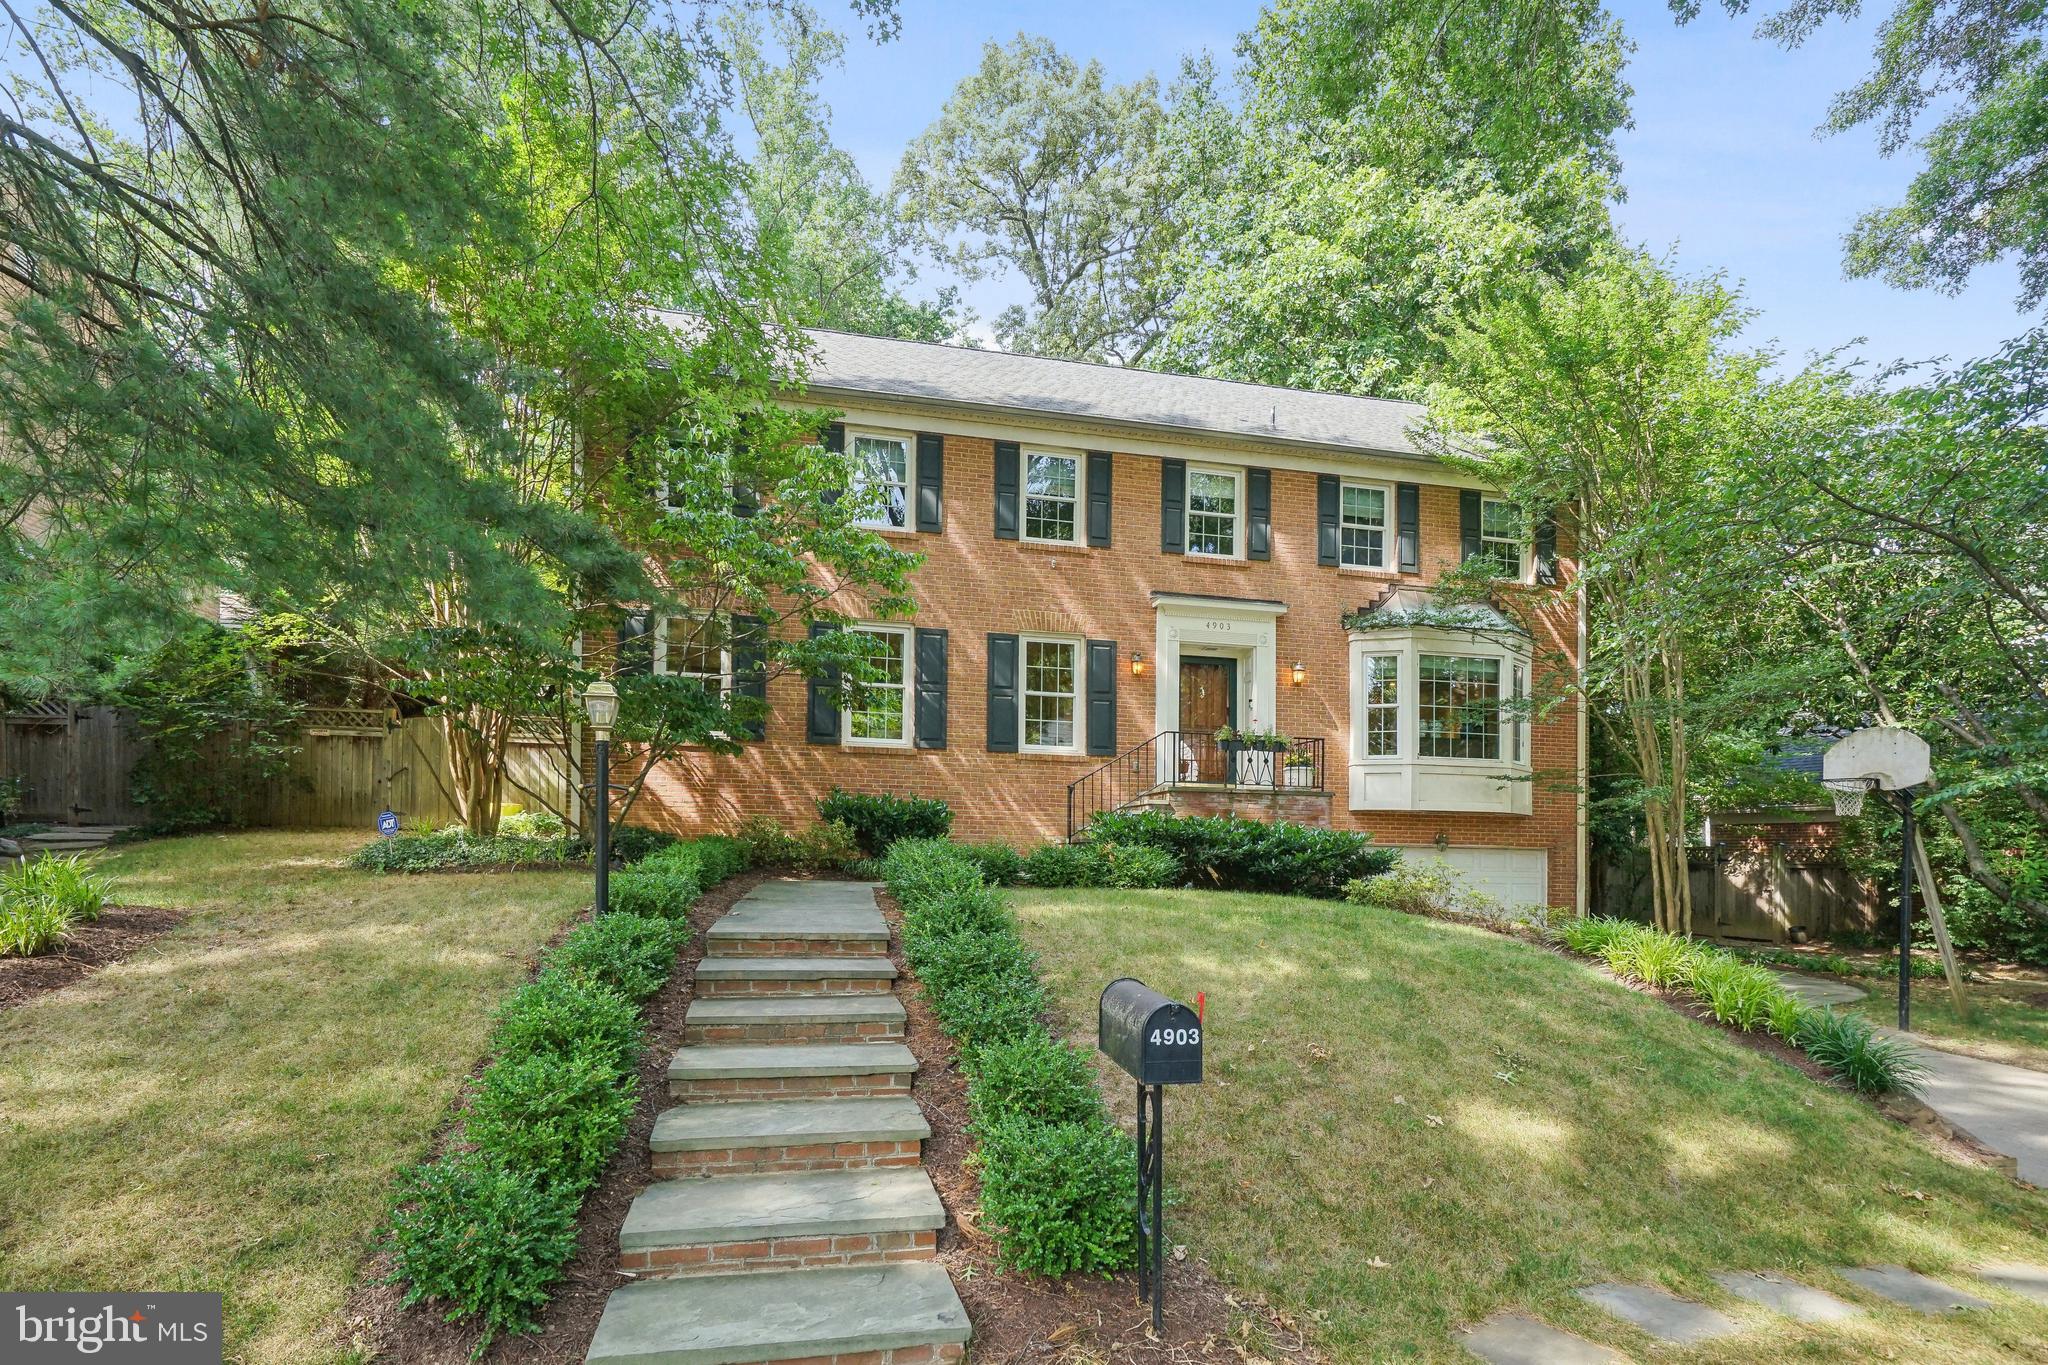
1522,556
661,649
1024,495
1245,631
1236,475
1405,779
908,440
909,690
1388,531
1079,695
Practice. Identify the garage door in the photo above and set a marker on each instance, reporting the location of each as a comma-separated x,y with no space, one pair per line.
1512,876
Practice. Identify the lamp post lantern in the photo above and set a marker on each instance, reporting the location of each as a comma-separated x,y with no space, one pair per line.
601,704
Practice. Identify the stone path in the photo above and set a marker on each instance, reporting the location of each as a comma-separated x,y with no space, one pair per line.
794,1221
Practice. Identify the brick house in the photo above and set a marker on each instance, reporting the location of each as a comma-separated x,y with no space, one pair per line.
1117,563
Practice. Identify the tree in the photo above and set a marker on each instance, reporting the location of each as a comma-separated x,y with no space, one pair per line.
1982,191
1391,169
1037,164
1615,395
844,255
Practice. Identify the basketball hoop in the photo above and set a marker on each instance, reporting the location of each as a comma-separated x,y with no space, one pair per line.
1849,793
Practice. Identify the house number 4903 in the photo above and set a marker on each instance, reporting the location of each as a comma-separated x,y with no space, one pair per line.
1221,627
1176,1037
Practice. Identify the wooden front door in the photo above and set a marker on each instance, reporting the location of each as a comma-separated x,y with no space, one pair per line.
1208,702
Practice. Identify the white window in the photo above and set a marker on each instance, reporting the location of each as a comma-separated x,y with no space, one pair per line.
1052,497
1380,705
1213,502
881,470
1518,717
694,647
1458,706
1500,536
1051,695
1362,539
882,716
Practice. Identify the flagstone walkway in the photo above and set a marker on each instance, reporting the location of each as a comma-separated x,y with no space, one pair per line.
796,1222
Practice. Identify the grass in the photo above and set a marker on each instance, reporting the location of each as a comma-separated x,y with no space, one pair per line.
1408,1125
2008,1019
225,1110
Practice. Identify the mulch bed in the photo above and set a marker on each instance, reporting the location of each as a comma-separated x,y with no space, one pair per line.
118,932
379,1329
1077,1318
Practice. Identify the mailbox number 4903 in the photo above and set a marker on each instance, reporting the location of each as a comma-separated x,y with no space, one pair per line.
1176,1037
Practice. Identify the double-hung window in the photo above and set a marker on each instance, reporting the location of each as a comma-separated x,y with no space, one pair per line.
1362,526
694,647
1214,500
1052,497
1458,711
1500,536
1380,705
1051,695
882,714
881,473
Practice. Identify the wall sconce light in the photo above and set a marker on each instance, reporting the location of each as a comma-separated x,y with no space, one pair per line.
1300,673
1137,664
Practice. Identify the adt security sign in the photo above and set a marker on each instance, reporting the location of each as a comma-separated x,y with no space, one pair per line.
387,824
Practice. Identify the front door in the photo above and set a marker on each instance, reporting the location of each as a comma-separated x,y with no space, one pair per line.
1208,702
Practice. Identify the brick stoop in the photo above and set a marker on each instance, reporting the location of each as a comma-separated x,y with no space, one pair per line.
815,1135
865,1018
724,977
789,1071
781,1222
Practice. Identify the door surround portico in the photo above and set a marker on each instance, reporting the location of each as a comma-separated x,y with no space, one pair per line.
1240,628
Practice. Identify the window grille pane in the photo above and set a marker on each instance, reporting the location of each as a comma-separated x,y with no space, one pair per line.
1459,707
1382,699
883,463
1051,670
879,715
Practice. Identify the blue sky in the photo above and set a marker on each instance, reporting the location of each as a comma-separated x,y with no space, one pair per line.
1722,166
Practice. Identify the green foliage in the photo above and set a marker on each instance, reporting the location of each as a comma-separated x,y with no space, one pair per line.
919,869
1846,1045
68,884
1058,1195
632,954
556,1117
940,914
533,824
1429,886
1249,855
1035,1076
486,1240
1098,863
1785,1016
559,1014
663,892
825,847
29,927
636,843
999,864
880,819
1734,992
1834,964
457,850
767,843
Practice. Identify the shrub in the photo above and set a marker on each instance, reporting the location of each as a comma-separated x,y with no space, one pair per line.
457,849
1652,956
631,954
917,869
1734,992
632,843
664,892
1033,1076
999,864
562,1015
1058,1195
958,910
1591,935
1849,1047
533,824
30,927
829,847
556,1117
1101,864
1250,855
880,820
68,884
767,843
485,1239
1785,1016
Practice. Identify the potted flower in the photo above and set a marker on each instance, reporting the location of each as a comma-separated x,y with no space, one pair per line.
1301,768
1266,741
1230,740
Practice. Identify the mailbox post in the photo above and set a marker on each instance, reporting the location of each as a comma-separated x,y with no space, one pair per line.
1159,1042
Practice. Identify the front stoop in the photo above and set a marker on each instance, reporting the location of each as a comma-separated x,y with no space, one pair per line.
790,1071
794,930
905,1314
724,977
781,1222
862,1018
813,1135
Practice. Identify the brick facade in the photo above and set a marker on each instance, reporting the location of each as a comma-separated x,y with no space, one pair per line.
972,584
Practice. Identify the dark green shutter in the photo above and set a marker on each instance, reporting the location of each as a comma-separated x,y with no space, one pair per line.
750,669
1002,694
931,482
930,732
1328,493
835,441
1408,523
633,644
1009,474
1468,523
1098,497
1259,493
1546,549
821,715
1102,696
1173,506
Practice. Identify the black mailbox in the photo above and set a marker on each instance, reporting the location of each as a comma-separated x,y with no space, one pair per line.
1157,1040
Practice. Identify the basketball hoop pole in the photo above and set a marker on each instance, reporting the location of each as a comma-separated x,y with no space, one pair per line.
1905,795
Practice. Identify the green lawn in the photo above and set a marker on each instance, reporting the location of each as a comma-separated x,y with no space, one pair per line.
224,1111
2008,1020
1499,1125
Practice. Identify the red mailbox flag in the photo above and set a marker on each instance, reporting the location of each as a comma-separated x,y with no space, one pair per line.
1201,1005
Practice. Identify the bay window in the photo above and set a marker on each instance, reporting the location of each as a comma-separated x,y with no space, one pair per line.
1459,706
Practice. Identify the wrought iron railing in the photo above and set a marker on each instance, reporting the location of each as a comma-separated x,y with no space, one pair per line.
1174,759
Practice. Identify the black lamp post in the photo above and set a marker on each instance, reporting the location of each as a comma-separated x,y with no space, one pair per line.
601,704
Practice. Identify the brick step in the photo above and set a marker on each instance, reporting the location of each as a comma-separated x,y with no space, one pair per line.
847,925
905,1314
794,1019
781,1222
724,977
790,1071
788,1135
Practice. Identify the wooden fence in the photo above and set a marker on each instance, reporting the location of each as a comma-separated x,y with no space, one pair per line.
1742,893
76,765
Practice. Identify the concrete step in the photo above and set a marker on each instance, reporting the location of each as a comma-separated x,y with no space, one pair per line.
816,919
725,977
790,1071
788,1135
902,1314
781,1222
794,1019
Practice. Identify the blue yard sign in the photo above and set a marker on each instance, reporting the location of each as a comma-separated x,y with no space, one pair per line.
387,825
